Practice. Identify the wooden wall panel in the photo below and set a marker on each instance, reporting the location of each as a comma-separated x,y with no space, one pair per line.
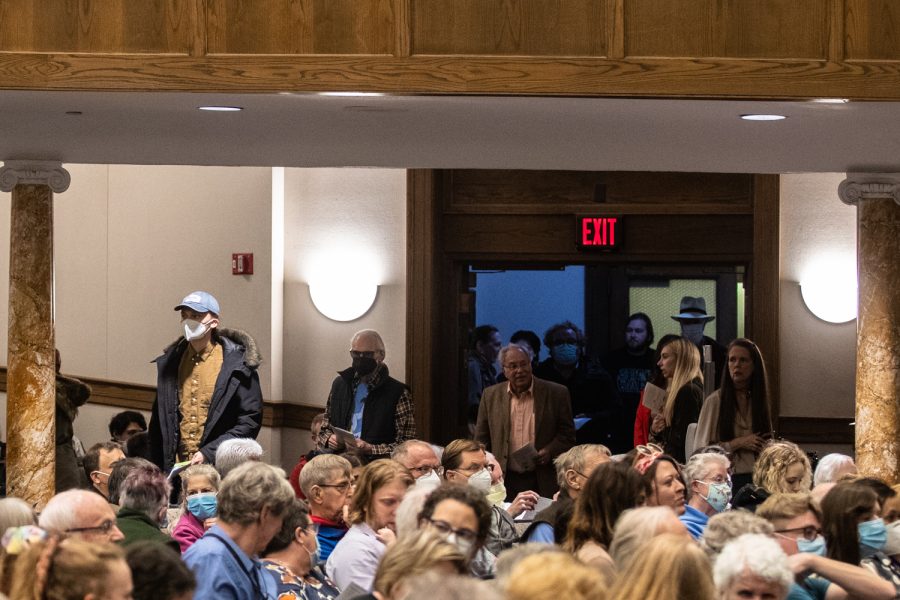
873,29
504,27
95,26
302,26
727,28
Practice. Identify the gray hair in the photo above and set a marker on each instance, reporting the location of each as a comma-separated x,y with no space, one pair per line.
120,470
64,510
146,490
726,526
575,458
407,518
516,346
401,451
369,333
828,467
251,487
760,555
697,468
15,512
236,451
633,528
320,469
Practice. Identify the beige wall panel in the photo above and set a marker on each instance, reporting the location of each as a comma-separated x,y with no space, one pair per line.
301,26
873,29
526,27
818,359
152,26
726,28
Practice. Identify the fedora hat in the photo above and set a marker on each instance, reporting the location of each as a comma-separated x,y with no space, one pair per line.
692,308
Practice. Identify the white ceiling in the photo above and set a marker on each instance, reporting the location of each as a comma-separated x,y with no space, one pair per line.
312,130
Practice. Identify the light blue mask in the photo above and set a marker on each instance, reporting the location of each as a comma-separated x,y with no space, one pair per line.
718,496
565,354
872,537
816,546
203,506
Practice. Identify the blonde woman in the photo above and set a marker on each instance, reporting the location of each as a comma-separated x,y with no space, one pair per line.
679,363
783,468
670,567
554,575
421,552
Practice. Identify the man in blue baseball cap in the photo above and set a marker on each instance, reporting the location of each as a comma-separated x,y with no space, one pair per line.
207,387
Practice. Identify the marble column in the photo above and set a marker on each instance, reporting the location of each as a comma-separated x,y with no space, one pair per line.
31,383
877,198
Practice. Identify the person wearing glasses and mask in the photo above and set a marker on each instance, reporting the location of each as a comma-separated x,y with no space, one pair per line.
422,462
81,514
207,387
366,401
327,483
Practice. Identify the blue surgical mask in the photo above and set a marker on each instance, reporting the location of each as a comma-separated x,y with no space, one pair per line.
314,557
718,496
203,506
564,354
872,537
816,546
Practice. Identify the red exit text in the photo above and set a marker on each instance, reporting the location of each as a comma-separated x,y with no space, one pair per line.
599,232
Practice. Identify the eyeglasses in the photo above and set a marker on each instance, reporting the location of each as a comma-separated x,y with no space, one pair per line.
341,487
426,470
312,528
489,467
809,533
363,354
516,366
104,527
467,535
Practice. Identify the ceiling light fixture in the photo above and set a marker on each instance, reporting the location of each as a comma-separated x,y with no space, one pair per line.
221,108
352,94
763,117
831,100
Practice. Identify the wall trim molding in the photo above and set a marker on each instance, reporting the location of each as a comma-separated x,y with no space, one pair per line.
817,430
137,396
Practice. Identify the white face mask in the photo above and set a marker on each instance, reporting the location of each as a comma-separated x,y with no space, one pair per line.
194,329
481,481
693,331
497,493
428,482
464,546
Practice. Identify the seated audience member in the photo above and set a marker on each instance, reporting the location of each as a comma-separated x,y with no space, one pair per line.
797,519
462,515
408,511
752,566
422,462
15,512
640,525
120,470
782,468
158,573
373,509
236,451
434,586
199,504
292,557
881,489
554,575
663,475
573,469
71,569
509,560
611,490
326,482
138,446
144,498
833,467
671,567
729,525
854,533
98,465
708,487
356,467
252,503
126,424
81,514
314,427
890,511
16,541
497,493
410,558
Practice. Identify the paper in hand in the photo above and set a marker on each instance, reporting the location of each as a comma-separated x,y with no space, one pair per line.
654,398
525,458
345,437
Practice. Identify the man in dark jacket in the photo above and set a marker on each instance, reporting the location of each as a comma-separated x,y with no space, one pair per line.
207,388
368,402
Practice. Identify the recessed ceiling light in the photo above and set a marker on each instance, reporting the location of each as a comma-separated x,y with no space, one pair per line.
352,94
221,108
763,117
831,100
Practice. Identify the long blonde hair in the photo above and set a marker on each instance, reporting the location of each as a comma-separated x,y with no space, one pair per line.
667,567
64,570
687,368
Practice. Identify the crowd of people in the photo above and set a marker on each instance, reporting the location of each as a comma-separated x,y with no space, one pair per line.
704,502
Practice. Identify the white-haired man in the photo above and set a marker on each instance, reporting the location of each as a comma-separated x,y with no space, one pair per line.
82,514
236,451
420,459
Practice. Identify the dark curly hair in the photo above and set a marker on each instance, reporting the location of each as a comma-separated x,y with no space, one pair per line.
464,495
158,572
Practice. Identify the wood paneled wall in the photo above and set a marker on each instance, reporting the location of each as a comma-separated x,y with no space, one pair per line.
713,48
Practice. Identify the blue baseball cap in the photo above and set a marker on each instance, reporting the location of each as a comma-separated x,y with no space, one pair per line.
202,302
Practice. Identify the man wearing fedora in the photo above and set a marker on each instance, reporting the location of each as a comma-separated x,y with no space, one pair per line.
693,318
207,387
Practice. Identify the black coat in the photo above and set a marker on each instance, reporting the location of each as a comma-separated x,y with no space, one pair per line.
235,410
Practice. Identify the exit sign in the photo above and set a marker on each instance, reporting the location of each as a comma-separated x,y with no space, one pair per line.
599,233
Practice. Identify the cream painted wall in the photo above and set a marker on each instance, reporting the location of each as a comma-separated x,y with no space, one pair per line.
818,359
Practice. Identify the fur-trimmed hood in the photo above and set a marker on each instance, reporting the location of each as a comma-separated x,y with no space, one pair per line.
252,356
71,394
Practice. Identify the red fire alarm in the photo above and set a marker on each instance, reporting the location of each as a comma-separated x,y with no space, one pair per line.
242,264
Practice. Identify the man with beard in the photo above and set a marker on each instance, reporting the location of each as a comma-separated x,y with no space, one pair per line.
630,367
366,401
693,319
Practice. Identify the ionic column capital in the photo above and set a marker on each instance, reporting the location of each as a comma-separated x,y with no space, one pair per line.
869,186
34,172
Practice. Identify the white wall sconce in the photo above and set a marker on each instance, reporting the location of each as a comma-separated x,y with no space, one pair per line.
343,284
829,289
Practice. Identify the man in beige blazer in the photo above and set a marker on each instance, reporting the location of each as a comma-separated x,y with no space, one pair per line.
525,411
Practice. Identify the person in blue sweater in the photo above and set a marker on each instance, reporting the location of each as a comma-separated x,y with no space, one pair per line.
708,488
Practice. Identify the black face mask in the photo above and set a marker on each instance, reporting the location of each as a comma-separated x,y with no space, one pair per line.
364,365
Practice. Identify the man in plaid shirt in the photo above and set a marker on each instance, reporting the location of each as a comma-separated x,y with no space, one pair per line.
368,402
